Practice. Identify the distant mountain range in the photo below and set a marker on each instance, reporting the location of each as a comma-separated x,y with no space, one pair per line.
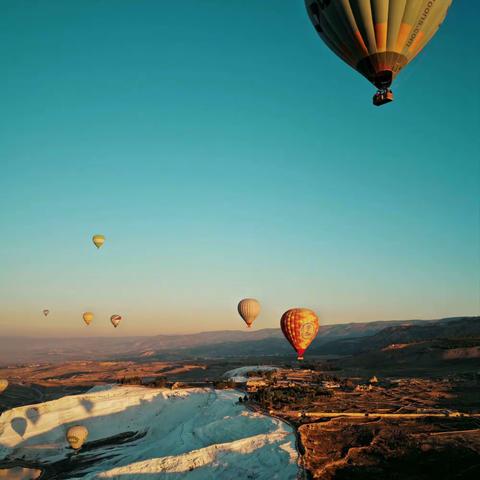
342,339
397,336
434,349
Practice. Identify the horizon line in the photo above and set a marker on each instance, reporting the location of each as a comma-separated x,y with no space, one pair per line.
247,331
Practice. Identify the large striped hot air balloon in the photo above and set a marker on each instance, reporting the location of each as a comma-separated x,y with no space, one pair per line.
46,312
377,37
249,308
300,327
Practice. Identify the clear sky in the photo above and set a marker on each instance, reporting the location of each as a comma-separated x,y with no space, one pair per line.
225,152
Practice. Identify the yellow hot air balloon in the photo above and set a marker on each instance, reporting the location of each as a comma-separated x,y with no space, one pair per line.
88,317
378,38
3,384
76,436
46,312
98,240
115,319
249,308
300,327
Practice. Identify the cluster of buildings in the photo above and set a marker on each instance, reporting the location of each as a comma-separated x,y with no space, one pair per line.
285,378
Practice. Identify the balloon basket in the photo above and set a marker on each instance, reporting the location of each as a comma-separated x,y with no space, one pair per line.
382,97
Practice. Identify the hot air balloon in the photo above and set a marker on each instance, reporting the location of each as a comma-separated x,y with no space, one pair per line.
46,312
76,436
377,37
249,308
3,384
98,240
88,317
300,327
115,319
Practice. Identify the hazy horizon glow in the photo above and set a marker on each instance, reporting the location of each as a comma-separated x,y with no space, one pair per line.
225,152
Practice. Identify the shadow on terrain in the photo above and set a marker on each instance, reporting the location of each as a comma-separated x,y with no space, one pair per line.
87,404
449,464
19,425
33,415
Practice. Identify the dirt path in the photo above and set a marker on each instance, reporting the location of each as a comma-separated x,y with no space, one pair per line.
298,414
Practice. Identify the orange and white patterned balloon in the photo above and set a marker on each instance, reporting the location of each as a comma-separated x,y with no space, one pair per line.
300,327
115,319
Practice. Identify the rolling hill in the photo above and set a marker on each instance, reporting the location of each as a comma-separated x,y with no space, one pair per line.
341,339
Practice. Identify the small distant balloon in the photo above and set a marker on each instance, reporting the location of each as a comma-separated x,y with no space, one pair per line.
98,240
88,317
249,308
115,319
76,436
300,327
3,384
46,312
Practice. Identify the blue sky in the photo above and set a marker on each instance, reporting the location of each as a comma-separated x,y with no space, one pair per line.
225,152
